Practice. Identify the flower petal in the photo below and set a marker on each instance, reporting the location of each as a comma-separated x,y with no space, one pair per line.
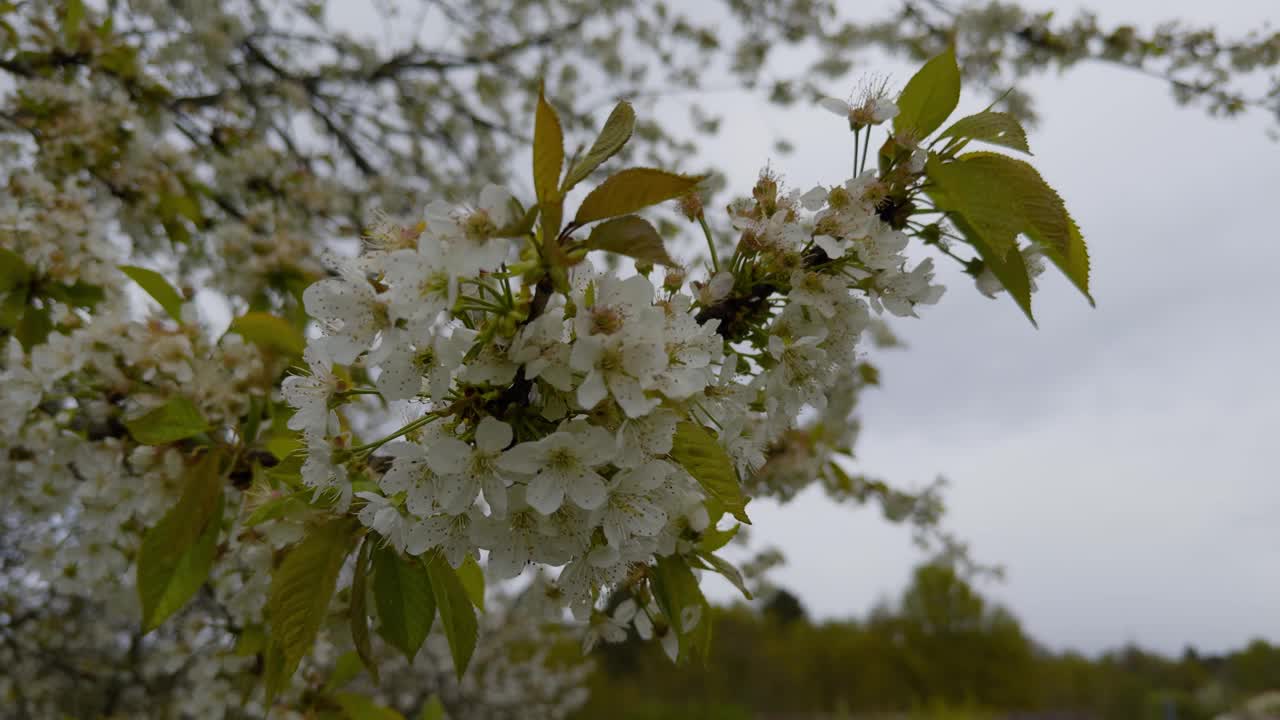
492,434
545,493
588,490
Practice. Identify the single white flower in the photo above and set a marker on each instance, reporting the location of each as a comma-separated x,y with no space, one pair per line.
422,283
384,518
691,348
472,233
450,534
349,312
493,364
414,359
744,440
309,395
542,346
617,304
818,290
873,107
321,473
603,566
630,511
715,289
479,463
611,628
899,292
882,249
641,439
422,470
621,365
511,539
563,462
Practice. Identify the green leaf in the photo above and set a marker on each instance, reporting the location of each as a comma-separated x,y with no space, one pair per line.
15,279
1001,197
251,641
456,612
12,310
727,569
548,150
177,232
930,96
270,333
71,21
432,709
13,271
358,707
274,678
675,588
472,577
298,601
615,134
279,507
627,191
992,127
713,539
522,225
177,553
158,288
1010,269
77,294
348,666
182,205
360,610
630,235
175,420
402,592
699,453
34,327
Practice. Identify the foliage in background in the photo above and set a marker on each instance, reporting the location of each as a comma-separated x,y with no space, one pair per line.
941,652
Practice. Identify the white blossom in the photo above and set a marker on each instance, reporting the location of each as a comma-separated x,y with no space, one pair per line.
310,394
561,463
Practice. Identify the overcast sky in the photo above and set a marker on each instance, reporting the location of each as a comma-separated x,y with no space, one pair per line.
1119,462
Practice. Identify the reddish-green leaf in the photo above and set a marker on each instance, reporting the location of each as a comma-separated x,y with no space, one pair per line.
627,191
615,133
630,235
548,150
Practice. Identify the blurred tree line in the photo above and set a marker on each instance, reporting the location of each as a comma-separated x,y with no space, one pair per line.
942,652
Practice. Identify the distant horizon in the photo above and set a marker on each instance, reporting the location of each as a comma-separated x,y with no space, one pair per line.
756,605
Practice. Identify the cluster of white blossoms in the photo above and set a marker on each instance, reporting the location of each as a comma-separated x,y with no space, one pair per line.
538,426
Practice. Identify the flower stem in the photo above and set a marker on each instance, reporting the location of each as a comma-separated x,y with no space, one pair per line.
420,422
711,245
